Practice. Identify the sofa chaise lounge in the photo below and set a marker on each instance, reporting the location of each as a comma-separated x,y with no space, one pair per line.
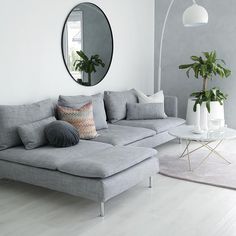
99,169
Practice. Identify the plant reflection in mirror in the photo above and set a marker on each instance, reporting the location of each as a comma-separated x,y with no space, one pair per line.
88,65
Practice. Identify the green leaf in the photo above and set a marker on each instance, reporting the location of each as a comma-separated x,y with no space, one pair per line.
206,54
214,56
185,66
221,61
196,70
227,72
195,107
195,58
82,55
208,106
201,60
214,91
187,72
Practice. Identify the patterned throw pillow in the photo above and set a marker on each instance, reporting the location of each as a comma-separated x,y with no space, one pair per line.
81,119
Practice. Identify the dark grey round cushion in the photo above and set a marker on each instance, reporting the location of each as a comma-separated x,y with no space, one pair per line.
61,134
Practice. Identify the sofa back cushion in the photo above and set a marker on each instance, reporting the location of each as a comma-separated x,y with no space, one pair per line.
116,102
13,116
32,135
145,111
155,98
99,113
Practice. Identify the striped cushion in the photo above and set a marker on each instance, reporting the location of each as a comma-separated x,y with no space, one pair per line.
81,119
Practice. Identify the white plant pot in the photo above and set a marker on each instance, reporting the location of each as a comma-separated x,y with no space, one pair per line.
217,113
191,118
203,117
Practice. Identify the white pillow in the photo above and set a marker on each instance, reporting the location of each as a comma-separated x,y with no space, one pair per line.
155,98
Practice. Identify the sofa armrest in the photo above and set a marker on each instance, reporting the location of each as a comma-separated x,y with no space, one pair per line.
171,106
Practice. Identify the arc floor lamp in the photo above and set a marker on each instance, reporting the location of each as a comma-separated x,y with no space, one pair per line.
193,16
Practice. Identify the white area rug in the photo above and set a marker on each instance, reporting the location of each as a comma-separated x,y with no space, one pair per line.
214,171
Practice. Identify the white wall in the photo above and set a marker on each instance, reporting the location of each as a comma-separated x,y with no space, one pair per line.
31,65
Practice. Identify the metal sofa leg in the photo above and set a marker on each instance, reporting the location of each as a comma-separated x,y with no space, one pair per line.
102,209
102,204
150,182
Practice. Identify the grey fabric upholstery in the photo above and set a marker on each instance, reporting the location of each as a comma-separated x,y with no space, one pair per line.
99,190
94,163
153,141
171,106
115,103
32,135
99,113
107,162
49,157
122,135
145,111
159,125
61,134
13,116
118,183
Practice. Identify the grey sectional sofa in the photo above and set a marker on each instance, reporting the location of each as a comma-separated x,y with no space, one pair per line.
99,169
91,170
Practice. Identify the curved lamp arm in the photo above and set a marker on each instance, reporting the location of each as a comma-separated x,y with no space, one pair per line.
161,42
161,45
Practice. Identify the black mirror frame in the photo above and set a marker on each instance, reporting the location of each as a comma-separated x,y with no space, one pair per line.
112,38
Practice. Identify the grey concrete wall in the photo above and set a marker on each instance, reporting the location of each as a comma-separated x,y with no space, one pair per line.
180,43
97,38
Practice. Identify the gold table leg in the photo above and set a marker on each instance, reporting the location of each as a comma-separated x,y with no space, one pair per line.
212,150
186,148
189,163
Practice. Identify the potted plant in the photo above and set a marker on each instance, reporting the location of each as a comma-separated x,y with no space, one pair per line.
207,67
88,65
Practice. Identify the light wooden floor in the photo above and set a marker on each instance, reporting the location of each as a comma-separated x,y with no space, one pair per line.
171,208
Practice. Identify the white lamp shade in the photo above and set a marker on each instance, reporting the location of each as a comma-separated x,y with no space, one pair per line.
195,16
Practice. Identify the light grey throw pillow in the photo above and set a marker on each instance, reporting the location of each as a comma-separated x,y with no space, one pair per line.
32,135
145,111
13,116
99,113
115,103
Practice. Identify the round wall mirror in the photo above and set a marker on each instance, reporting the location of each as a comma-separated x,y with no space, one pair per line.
87,44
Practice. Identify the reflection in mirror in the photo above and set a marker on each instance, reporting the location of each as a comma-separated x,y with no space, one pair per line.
87,44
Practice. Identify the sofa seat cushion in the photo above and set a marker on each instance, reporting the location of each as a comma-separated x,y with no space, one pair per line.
122,135
158,125
48,157
87,159
108,162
